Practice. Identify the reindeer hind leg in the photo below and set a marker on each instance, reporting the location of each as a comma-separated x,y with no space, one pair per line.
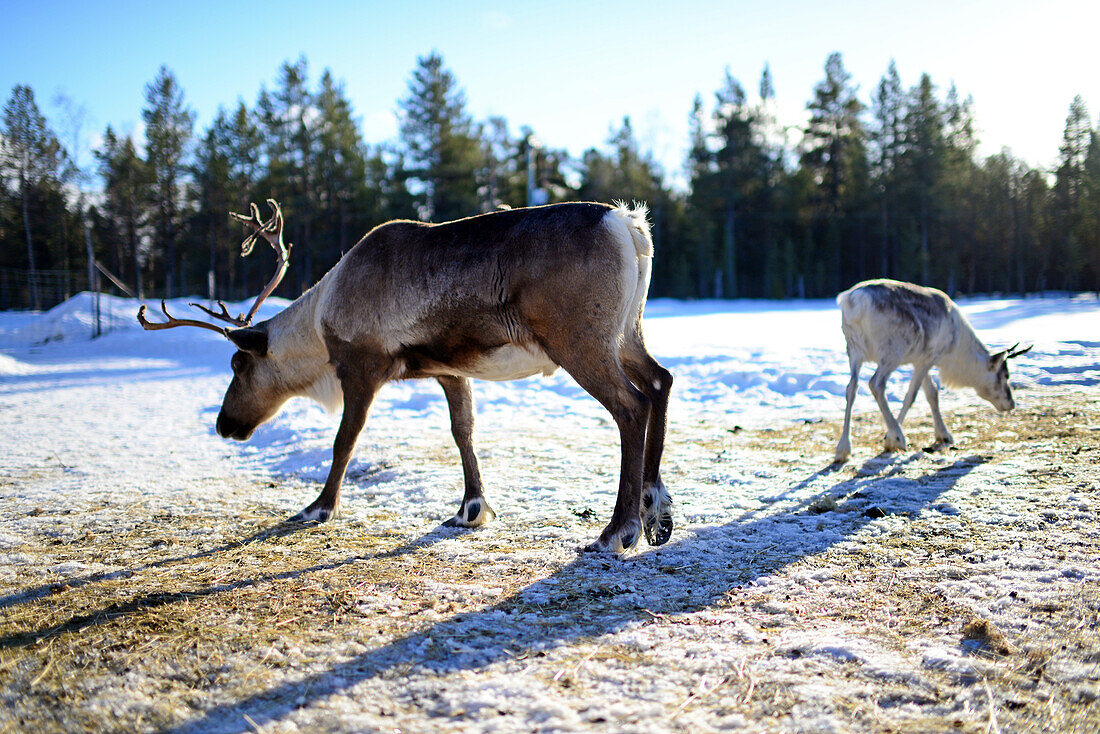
895,438
655,382
596,368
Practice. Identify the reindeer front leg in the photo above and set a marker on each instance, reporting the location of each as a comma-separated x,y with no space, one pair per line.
844,445
943,436
357,401
474,510
895,438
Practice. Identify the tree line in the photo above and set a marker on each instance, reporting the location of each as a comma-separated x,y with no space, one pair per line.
891,186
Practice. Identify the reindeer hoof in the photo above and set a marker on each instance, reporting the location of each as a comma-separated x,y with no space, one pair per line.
314,514
894,443
618,543
657,514
939,445
474,514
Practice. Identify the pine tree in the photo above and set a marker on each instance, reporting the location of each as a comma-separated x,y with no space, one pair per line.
923,161
834,156
288,119
1089,223
441,153
700,234
998,223
502,179
168,130
214,197
778,263
957,194
226,173
38,163
834,138
623,173
127,179
1069,185
740,165
341,165
887,146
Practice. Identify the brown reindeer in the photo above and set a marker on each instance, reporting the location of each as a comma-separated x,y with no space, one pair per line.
498,296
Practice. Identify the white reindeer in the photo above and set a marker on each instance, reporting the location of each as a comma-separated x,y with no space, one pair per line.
892,323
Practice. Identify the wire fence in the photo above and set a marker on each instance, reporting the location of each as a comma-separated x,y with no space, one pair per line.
42,306
39,290
30,301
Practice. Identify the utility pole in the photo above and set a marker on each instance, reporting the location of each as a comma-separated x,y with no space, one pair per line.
535,195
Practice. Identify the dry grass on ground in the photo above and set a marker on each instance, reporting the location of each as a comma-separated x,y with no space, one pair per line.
241,619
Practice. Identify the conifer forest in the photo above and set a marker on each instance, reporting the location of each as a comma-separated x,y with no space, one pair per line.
887,183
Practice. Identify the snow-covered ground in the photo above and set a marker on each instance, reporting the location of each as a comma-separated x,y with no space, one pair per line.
101,435
752,363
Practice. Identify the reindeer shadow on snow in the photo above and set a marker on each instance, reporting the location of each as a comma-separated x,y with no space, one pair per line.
717,560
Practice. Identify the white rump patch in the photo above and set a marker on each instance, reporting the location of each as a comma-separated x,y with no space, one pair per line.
636,218
629,226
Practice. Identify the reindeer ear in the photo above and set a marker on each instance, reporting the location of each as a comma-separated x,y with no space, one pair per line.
253,341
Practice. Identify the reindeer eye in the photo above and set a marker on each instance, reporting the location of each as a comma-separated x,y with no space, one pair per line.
237,363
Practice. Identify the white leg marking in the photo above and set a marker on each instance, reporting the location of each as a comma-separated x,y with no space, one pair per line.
656,513
474,514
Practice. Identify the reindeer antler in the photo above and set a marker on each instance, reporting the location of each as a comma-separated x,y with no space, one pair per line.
173,321
272,231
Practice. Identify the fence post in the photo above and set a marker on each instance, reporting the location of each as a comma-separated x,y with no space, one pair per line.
93,281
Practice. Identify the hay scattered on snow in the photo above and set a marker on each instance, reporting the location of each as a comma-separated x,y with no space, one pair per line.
225,617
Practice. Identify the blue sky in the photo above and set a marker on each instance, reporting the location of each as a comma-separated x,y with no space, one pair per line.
570,70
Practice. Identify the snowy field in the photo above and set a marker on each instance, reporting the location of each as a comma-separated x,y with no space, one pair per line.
147,582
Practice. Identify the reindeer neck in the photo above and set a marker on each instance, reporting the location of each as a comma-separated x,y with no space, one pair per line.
292,333
965,364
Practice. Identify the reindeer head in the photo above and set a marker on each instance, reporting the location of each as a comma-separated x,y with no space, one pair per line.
257,390
995,387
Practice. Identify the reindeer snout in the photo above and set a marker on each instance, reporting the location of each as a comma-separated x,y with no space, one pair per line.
230,428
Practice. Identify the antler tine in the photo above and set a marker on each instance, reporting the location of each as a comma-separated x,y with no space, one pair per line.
252,218
272,231
237,320
1013,353
276,216
254,221
174,322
